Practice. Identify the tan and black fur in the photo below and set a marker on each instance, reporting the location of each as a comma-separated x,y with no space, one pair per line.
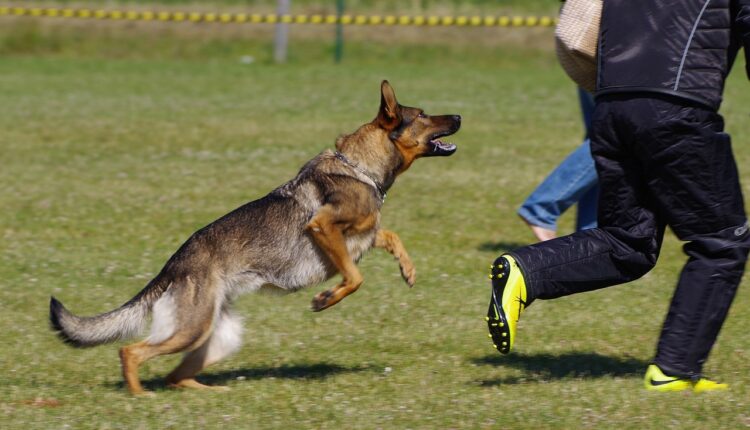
316,225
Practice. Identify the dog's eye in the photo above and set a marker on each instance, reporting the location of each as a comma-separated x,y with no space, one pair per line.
421,115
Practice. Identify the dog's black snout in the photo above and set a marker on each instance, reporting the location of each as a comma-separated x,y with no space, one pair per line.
457,120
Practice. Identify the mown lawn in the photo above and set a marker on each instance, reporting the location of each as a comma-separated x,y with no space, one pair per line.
117,144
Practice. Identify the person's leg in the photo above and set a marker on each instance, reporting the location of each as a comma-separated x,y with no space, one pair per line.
587,209
572,181
586,101
624,247
565,185
691,180
587,203
588,199
694,178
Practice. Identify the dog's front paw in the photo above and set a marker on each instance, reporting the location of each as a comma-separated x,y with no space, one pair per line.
409,273
321,301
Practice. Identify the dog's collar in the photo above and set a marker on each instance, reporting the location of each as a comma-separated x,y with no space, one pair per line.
363,175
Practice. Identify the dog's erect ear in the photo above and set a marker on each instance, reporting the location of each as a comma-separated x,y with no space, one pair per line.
389,116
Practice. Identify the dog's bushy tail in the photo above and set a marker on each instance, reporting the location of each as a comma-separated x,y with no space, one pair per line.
124,322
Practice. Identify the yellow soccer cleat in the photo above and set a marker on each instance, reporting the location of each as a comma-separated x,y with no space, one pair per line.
656,380
507,302
704,385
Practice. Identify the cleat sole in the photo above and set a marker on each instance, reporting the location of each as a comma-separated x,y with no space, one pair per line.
497,321
499,331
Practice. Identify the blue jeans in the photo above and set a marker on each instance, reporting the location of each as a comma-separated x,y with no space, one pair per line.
573,181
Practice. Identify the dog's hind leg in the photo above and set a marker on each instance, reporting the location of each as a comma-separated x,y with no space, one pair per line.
390,241
132,356
178,325
225,339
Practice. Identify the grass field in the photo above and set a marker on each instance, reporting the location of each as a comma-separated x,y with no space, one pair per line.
117,144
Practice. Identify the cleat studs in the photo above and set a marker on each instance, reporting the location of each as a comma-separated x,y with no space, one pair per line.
505,334
486,318
505,343
490,336
490,276
501,324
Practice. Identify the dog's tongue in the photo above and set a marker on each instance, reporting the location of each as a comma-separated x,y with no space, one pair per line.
441,148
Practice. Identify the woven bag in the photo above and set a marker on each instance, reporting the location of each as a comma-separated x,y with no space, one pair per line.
576,40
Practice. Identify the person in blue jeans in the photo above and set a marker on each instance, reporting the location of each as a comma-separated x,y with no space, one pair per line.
573,181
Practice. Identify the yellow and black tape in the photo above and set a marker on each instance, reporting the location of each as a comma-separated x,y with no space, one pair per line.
246,18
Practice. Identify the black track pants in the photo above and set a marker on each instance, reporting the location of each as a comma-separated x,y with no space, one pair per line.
659,163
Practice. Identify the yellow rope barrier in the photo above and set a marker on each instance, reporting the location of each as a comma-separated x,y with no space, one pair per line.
242,18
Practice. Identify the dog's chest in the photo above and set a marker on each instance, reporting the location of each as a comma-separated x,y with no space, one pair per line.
359,243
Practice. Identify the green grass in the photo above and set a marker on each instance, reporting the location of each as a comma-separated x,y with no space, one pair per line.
118,144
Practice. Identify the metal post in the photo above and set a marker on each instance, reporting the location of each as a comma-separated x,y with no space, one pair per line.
282,33
339,51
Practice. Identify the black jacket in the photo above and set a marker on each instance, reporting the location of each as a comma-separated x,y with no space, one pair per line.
683,48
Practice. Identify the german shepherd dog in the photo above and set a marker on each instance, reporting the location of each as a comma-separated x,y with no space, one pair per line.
304,232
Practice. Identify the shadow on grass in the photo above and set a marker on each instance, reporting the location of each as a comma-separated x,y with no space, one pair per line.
312,371
546,367
500,246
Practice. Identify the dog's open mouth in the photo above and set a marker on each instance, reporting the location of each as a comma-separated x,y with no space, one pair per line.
440,148
437,147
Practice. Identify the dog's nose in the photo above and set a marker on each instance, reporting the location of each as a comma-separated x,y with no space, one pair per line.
457,118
